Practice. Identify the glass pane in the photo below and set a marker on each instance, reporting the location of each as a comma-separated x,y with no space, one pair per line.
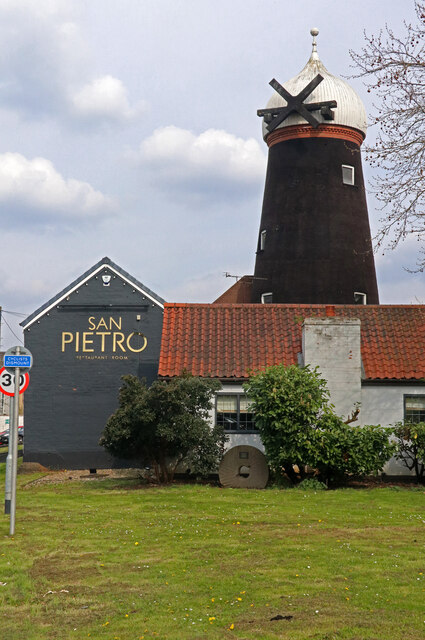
347,174
415,409
415,402
415,416
227,403
246,421
244,403
227,420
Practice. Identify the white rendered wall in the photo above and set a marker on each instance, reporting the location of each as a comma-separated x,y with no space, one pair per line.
333,345
380,404
251,439
384,404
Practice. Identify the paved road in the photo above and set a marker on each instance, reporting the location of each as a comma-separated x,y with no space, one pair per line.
3,456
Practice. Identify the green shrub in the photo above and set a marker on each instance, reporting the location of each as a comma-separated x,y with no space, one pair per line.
410,442
311,484
166,425
339,449
298,426
288,403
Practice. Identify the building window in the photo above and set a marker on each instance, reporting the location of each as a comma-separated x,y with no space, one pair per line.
414,408
347,174
267,298
233,412
263,240
360,298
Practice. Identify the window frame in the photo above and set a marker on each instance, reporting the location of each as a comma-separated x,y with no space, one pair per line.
362,295
238,395
352,182
263,295
408,396
263,237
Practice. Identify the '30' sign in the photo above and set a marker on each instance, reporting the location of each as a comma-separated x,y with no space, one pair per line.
7,382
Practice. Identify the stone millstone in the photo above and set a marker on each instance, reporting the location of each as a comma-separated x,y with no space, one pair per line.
244,467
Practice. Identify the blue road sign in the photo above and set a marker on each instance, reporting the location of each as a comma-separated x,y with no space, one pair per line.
17,361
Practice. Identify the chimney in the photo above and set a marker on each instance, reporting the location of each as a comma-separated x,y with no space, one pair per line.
333,345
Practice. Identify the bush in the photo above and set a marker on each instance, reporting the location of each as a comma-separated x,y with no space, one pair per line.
410,443
298,426
341,449
311,484
287,402
166,425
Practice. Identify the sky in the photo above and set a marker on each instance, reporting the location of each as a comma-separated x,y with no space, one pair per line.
129,130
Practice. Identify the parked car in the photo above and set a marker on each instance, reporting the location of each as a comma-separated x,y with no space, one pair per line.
4,437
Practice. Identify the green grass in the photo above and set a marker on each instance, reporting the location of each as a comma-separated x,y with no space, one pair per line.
6,449
113,560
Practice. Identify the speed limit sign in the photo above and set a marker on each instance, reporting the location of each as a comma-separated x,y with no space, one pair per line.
7,382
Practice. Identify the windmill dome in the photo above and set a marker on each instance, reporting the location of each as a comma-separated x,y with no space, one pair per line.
349,112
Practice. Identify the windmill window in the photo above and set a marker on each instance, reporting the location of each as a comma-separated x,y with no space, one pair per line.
267,298
360,297
414,408
263,235
233,412
347,174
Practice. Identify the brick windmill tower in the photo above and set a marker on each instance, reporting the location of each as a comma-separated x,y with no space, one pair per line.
314,242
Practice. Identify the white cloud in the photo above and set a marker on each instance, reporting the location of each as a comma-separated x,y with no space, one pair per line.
104,97
41,8
35,184
214,162
42,51
45,66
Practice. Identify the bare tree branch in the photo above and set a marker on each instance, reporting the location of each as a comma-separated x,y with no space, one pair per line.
393,68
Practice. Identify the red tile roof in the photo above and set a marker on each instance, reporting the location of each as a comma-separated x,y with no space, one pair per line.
229,340
240,291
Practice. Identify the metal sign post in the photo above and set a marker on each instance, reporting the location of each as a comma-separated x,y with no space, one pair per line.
13,439
14,363
7,388
9,458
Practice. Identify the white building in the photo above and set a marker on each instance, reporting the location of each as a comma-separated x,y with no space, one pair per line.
371,355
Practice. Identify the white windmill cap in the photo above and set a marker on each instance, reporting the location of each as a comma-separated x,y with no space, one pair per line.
349,112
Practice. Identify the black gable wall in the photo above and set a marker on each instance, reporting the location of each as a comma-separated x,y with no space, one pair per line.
82,346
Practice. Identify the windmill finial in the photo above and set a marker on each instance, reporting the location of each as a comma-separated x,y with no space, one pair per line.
314,32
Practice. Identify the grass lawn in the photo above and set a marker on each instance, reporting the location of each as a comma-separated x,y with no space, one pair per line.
112,560
6,449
